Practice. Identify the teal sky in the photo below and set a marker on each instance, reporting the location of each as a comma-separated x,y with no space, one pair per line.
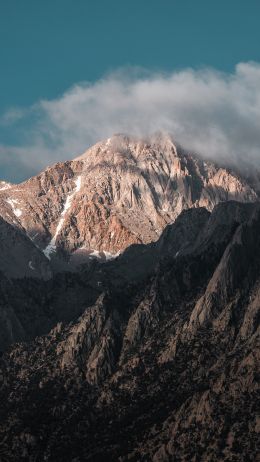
47,46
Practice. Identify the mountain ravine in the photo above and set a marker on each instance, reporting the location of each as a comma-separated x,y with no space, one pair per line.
129,309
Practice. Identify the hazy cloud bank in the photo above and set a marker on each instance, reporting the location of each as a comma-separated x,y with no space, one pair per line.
215,114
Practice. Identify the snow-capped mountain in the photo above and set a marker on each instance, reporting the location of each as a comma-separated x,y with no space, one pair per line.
121,191
148,356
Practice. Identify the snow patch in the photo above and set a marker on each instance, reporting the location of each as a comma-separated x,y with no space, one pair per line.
4,186
51,247
18,212
78,184
95,254
103,255
31,265
110,256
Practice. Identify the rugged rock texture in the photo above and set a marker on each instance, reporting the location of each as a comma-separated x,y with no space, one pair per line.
163,363
150,350
19,255
29,308
120,192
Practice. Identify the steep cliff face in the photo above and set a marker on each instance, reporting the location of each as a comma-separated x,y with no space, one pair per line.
162,365
150,350
119,192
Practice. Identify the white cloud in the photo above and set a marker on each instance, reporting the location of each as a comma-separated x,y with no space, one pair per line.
215,114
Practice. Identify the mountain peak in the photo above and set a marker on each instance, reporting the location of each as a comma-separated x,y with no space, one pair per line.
130,189
122,142
4,185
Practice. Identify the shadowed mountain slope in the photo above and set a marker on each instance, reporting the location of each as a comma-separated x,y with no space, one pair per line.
161,365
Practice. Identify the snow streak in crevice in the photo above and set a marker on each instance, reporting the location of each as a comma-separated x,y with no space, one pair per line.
51,247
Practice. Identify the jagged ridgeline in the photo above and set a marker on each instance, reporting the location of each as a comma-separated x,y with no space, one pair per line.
120,192
129,309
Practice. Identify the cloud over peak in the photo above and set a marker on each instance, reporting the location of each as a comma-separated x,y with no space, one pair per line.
212,113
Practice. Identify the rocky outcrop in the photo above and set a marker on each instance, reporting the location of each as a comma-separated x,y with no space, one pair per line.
161,365
150,350
234,269
92,343
122,191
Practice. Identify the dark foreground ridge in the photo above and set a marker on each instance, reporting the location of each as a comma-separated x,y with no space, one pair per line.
155,355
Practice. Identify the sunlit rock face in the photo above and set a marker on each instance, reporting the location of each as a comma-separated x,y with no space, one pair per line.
121,191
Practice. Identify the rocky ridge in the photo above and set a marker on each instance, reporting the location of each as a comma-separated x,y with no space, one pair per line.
161,365
129,309
119,192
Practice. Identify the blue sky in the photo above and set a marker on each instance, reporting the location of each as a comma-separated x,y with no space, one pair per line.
46,47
